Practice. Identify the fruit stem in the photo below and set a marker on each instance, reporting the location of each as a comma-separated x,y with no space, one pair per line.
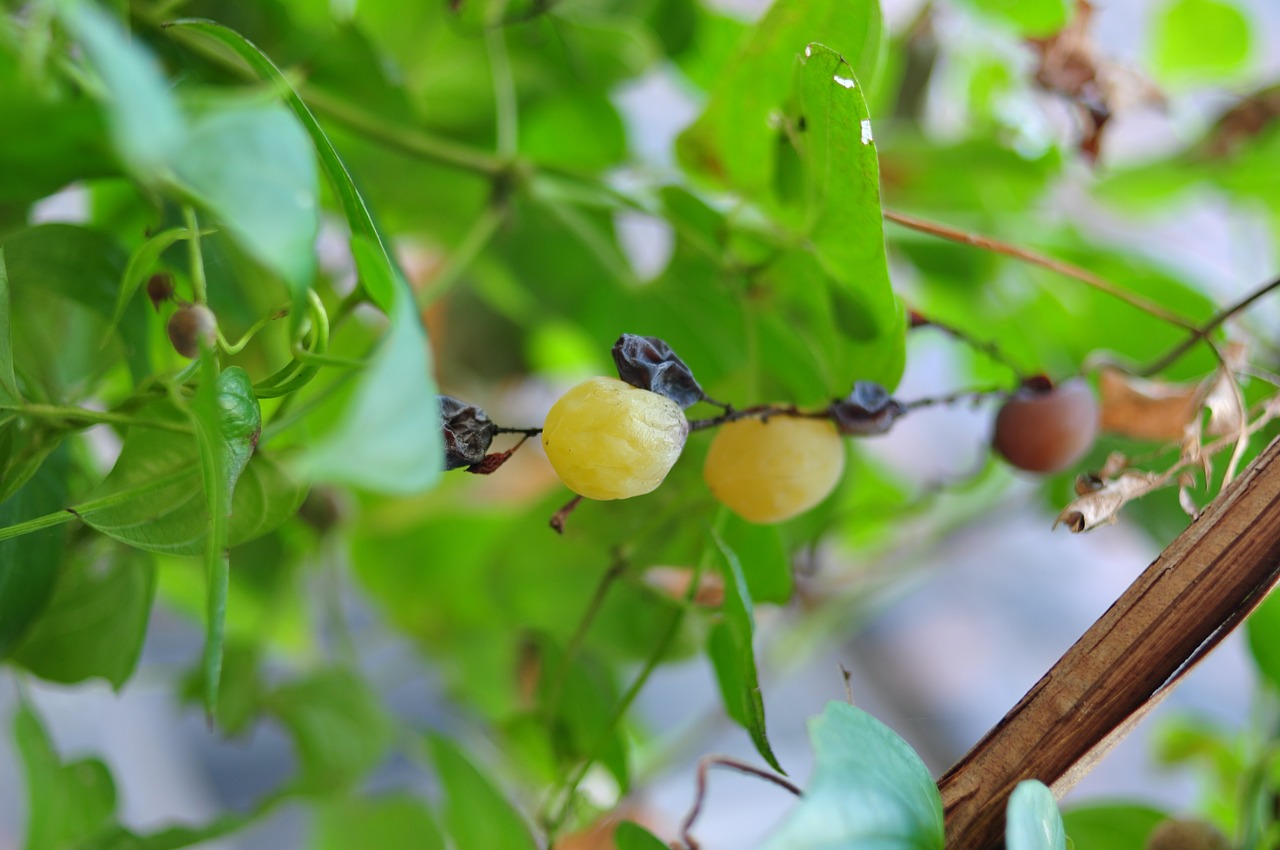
1066,269
238,346
1198,334
759,411
985,347
199,288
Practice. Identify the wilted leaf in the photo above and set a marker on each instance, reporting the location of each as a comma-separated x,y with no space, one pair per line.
1147,410
1226,407
1101,506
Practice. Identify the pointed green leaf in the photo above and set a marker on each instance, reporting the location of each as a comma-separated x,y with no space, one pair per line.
868,790
733,654
1032,820
632,836
8,384
476,814
95,623
253,167
146,125
394,822
29,567
736,139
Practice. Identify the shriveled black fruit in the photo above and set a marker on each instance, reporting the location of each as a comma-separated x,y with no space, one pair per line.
159,289
649,363
468,431
867,410
1043,428
193,326
1187,835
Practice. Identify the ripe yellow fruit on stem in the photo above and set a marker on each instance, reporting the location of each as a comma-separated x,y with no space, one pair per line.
609,440
769,471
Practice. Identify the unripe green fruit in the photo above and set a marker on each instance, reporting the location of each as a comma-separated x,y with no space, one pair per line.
1186,835
770,471
192,326
1047,430
609,440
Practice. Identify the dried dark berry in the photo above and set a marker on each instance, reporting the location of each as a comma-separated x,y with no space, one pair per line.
468,431
159,289
191,328
868,409
649,363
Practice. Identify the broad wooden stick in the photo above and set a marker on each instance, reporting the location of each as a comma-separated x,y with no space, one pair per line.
1196,592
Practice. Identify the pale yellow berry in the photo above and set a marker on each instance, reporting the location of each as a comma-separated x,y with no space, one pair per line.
609,440
769,471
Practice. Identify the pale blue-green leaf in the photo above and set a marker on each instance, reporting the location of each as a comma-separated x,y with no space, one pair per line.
253,167
869,791
146,125
1032,820
389,439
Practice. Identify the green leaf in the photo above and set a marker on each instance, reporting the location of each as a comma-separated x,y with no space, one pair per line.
766,566
476,814
140,265
146,126
389,440
95,622
1031,18
733,654
359,219
631,836
1032,820
241,689
253,167
1111,826
868,790
71,145
843,214
67,803
1200,41
8,383
1263,632
29,567
338,726
393,822
227,423
735,140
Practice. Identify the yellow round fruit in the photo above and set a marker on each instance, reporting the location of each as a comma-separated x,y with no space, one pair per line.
609,440
769,471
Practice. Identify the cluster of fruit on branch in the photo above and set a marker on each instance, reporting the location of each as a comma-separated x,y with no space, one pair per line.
615,438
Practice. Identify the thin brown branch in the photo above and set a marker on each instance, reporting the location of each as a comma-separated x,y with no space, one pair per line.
704,765
1200,587
1208,327
1026,255
558,518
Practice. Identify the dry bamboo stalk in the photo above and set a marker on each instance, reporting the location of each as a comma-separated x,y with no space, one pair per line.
1200,588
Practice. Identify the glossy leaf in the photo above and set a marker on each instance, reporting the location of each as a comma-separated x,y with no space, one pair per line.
389,441
1193,41
8,384
1111,826
95,621
68,803
843,215
29,565
735,140
253,167
1032,820
394,822
868,790
146,126
475,812
733,654
359,218
339,728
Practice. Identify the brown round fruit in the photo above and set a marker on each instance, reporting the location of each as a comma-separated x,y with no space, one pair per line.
1047,430
1187,835
192,327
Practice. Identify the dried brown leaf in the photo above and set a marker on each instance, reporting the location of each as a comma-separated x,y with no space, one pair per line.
1101,506
1146,410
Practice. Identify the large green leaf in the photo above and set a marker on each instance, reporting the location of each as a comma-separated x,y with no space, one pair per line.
1111,826
393,822
71,143
732,652
1032,820
146,126
339,728
869,790
253,167
476,813
29,566
389,440
1029,17
68,803
842,211
735,141
1194,41
96,620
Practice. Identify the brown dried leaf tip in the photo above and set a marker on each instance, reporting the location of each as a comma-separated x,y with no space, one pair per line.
1147,410
649,363
1100,506
467,430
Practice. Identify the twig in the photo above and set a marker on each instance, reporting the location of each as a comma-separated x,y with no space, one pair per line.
557,519
973,396
1198,334
986,347
1066,269
704,765
759,411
